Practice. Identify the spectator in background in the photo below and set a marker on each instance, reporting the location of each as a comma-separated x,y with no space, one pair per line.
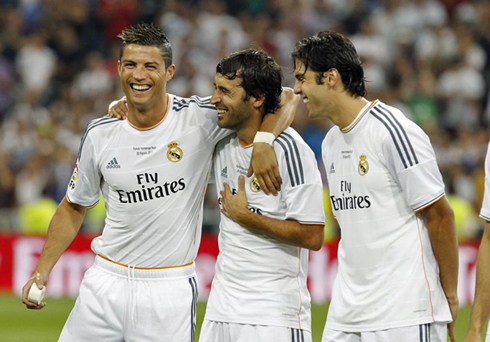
422,36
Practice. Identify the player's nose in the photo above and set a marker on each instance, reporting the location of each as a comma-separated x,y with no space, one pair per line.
297,87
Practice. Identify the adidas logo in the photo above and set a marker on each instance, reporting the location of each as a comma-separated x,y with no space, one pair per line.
224,172
332,169
113,164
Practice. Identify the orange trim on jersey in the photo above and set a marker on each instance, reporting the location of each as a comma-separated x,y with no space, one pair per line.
352,125
485,218
311,224
143,268
244,145
429,204
159,122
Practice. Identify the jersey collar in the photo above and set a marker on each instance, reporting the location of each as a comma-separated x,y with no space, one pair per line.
361,114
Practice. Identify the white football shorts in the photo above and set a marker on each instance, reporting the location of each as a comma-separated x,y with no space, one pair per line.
431,332
119,303
212,331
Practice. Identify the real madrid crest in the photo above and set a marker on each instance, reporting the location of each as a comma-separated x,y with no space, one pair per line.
174,153
363,167
254,185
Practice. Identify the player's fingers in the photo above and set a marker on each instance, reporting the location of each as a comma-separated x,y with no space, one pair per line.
277,176
275,182
241,183
262,184
39,281
227,188
270,185
250,171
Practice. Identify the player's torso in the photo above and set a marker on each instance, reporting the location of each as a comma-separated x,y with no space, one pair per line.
258,280
363,193
153,182
231,161
381,281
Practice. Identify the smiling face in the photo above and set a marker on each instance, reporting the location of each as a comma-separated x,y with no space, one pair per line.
315,96
234,109
144,76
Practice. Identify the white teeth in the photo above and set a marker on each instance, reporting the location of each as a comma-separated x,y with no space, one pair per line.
305,100
140,87
221,111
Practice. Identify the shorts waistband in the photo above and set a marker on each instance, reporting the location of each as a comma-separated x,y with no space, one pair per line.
107,264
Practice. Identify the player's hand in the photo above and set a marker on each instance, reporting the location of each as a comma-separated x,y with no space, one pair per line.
472,336
234,206
264,166
453,307
118,109
40,281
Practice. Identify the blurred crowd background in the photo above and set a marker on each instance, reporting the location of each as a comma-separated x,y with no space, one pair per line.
430,58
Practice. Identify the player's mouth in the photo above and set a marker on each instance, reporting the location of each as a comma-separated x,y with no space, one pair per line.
221,112
305,100
140,88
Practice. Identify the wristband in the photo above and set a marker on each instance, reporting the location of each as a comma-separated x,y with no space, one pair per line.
264,137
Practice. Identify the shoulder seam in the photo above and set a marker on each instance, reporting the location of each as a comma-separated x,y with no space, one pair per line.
95,123
181,103
398,135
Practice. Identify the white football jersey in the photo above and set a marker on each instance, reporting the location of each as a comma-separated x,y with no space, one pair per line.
153,181
485,209
258,279
381,170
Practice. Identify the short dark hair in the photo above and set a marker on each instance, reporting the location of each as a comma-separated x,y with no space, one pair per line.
147,35
326,50
260,74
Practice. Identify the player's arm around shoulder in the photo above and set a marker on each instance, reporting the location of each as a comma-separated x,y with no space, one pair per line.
264,162
439,217
63,228
292,232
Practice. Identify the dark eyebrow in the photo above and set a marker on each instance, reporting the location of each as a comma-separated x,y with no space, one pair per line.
299,77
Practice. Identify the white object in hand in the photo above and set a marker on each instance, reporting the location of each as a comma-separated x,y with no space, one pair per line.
35,295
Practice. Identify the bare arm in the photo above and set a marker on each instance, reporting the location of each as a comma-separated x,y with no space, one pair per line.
264,162
442,233
481,305
289,231
63,228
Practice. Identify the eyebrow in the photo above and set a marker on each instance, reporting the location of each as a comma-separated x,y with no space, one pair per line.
299,77
221,88
146,63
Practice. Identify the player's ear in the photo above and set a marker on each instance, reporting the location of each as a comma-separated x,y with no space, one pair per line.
119,67
170,72
257,102
331,77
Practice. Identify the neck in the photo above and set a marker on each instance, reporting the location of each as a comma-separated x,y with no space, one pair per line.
347,110
147,116
246,133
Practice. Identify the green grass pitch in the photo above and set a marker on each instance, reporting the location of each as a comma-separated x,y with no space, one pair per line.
17,324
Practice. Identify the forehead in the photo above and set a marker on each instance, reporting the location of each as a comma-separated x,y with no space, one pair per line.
222,81
300,68
142,53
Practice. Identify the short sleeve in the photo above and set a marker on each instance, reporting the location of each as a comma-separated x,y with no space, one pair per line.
485,209
412,163
84,185
302,189
207,117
